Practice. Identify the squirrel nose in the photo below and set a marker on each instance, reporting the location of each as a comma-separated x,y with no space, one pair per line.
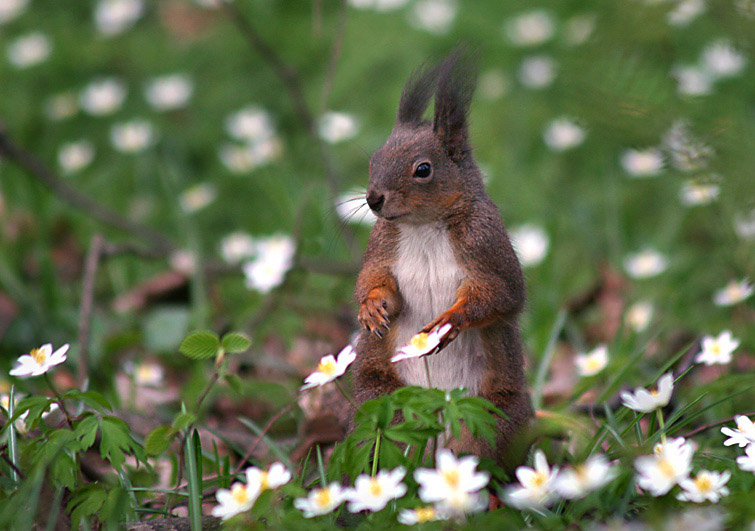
375,201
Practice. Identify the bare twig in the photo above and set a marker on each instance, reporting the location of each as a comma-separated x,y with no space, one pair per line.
87,302
706,427
13,466
262,433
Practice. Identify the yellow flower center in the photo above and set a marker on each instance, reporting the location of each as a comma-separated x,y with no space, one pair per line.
593,364
666,468
539,479
451,477
239,494
716,348
703,483
264,480
654,392
375,489
424,514
419,341
323,498
327,367
581,472
39,355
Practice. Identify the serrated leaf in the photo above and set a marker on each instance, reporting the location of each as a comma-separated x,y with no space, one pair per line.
64,471
115,439
236,343
184,420
86,432
158,440
200,345
95,400
86,503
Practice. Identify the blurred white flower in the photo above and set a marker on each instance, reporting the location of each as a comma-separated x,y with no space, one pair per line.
422,344
385,6
29,50
250,124
435,16
537,71
708,518
39,361
563,134
743,435
717,350
460,502
197,197
351,207
145,374
721,60
531,244
75,156
645,264
687,153
374,493
669,465
579,28
243,159
591,363
642,162
685,11
236,247
578,482
183,261
419,515
530,29
11,9
450,480
61,106
747,462
267,270
133,136
170,92
362,4
695,194
535,488
238,499
647,401
493,84
744,225
707,486
113,17
330,368
209,4
261,480
321,501
103,96
733,293
336,127
639,315
692,80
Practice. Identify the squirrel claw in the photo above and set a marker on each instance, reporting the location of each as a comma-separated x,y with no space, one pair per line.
377,332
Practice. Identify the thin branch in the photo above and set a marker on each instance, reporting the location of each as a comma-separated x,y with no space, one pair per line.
262,433
87,302
706,427
335,54
10,463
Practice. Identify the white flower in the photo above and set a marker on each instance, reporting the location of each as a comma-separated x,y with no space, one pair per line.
592,362
236,247
743,436
422,344
694,194
29,50
133,136
103,96
243,159
579,28
563,134
384,6
535,488
183,261
692,80
530,29
669,464
261,480
250,124
531,244
435,16
275,256
10,9
645,264
419,515
747,462
336,127
374,493
169,92
112,17
197,197
39,361
687,152
639,315
320,501
237,500
75,156
493,84
61,106
720,59
537,71
646,401
642,162
744,225
330,368
449,478
717,349
734,293
351,207
578,482
146,374
460,502
707,485
685,12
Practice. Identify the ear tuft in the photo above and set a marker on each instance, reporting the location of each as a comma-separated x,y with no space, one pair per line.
416,94
457,77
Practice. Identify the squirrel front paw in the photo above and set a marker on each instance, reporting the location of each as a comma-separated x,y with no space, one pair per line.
373,315
446,318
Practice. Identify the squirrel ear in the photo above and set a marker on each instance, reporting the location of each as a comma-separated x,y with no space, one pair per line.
457,77
416,94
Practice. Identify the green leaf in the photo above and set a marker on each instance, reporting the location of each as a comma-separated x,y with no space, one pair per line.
194,479
200,345
165,326
158,440
64,471
184,420
115,439
86,431
85,503
236,343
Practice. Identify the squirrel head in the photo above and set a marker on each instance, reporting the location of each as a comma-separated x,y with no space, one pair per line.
425,170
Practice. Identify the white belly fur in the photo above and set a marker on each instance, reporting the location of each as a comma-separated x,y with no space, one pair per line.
428,276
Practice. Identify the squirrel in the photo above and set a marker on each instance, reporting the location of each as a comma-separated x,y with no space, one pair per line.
439,254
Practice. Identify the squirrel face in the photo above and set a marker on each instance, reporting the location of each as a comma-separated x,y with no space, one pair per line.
425,170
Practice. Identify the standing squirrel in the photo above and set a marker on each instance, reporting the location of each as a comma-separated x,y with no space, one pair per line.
439,254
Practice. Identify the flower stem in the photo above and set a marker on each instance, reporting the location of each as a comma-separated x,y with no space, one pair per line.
427,371
661,425
345,394
376,455
58,399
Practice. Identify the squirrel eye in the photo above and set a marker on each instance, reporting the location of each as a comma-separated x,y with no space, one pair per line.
423,170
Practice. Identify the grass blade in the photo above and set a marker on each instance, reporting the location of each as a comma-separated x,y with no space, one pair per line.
277,450
545,362
12,441
193,448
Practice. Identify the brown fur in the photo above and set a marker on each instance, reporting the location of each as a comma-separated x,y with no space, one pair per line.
492,294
